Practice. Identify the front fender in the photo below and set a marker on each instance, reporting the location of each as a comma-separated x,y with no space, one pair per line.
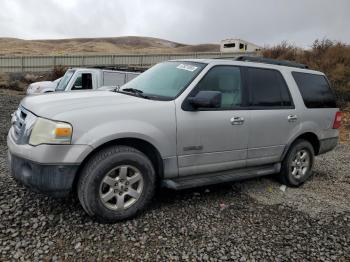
163,140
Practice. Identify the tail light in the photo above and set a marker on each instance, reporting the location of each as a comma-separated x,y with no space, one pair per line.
337,120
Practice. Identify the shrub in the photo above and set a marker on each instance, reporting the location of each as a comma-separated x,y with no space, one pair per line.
17,85
4,80
57,72
31,78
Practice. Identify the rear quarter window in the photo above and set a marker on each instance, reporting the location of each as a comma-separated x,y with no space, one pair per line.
315,90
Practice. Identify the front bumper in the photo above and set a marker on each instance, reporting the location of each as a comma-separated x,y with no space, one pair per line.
49,169
53,180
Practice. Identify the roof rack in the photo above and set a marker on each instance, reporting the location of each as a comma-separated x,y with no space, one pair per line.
258,59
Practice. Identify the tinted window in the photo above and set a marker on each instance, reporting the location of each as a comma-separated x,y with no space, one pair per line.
229,45
315,90
86,81
225,79
267,88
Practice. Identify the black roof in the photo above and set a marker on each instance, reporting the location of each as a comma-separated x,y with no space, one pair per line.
258,59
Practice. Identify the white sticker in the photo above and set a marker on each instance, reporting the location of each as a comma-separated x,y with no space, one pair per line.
190,68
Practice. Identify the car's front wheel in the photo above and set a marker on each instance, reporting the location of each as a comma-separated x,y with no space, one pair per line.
117,183
297,164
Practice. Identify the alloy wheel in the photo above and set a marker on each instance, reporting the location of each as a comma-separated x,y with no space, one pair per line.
300,163
121,187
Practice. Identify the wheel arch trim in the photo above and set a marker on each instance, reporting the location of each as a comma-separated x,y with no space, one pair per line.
309,136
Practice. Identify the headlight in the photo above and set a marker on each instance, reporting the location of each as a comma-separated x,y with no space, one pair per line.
50,132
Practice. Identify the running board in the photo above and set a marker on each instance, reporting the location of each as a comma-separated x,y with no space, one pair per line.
179,183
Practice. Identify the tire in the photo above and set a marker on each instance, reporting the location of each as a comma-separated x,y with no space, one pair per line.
114,176
297,164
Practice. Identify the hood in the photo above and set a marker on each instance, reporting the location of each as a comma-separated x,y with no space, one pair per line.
42,83
38,87
52,104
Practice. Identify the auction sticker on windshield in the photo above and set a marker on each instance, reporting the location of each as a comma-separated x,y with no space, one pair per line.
190,68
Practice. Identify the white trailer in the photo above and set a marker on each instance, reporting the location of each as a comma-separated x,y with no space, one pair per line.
238,45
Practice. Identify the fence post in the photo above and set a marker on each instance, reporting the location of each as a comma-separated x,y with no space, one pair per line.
141,60
22,64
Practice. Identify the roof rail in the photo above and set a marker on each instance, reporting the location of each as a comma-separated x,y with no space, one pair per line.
264,60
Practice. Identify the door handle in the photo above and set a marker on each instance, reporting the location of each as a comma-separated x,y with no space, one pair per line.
292,118
237,120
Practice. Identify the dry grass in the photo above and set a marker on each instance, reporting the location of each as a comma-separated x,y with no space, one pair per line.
4,80
120,45
345,129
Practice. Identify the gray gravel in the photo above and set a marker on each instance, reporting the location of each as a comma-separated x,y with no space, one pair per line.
248,221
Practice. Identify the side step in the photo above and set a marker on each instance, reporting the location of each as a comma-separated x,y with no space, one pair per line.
179,183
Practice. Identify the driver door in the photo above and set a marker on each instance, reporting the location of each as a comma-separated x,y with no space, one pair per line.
214,139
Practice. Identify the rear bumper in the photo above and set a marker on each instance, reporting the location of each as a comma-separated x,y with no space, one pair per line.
53,180
327,144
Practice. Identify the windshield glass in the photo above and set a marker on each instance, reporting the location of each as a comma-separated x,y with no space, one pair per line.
65,80
165,80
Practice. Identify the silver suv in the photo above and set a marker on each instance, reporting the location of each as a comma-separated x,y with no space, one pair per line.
181,124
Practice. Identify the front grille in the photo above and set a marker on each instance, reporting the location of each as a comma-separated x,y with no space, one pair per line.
22,122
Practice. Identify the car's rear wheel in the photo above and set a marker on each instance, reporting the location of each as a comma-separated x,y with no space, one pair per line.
297,164
117,183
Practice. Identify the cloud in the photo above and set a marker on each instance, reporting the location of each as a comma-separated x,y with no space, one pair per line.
200,21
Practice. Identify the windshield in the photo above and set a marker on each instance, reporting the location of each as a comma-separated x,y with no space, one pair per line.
65,80
165,80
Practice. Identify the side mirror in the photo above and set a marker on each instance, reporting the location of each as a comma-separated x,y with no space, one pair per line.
206,99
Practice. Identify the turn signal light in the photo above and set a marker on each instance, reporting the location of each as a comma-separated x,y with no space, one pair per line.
63,131
337,120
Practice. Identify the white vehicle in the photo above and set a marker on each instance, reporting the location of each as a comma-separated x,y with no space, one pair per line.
83,79
42,87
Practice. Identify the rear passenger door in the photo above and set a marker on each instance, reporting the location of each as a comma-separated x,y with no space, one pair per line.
273,115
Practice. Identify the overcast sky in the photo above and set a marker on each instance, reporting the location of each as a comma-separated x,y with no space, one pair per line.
265,22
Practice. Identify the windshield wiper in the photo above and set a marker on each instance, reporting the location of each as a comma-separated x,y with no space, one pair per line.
133,90
136,91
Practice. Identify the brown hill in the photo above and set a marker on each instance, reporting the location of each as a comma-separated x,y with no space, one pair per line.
115,45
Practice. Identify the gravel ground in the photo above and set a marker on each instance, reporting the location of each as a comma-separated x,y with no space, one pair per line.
247,221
